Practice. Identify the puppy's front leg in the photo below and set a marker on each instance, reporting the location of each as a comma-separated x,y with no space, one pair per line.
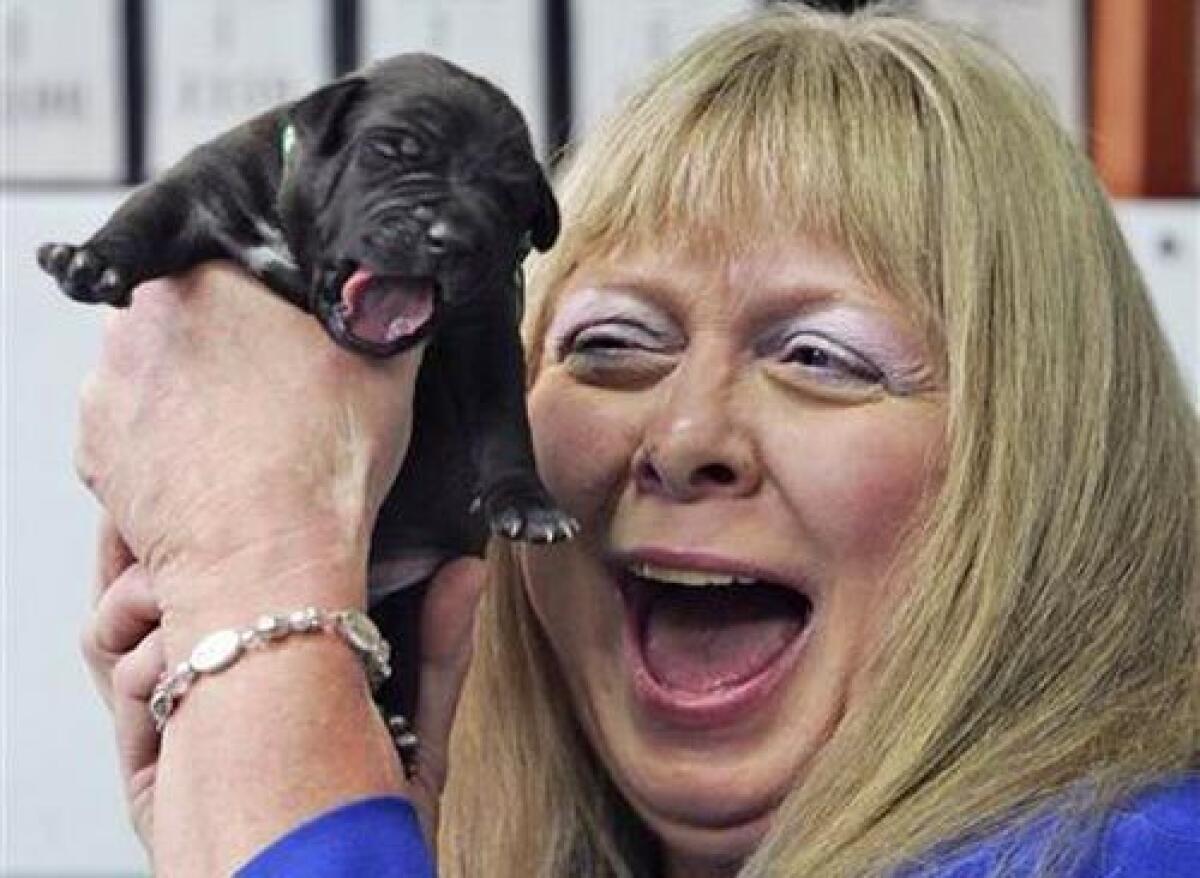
217,202
487,372
154,233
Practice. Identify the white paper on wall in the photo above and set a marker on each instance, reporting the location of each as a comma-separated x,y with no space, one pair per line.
215,63
616,42
500,40
1046,38
63,91
1164,238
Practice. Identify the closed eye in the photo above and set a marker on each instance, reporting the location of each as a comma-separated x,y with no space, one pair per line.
611,337
819,357
618,353
383,149
394,145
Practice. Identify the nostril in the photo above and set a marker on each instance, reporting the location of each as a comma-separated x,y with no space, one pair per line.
647,474
683,477
714,474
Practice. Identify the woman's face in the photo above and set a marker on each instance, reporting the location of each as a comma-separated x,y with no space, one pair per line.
744,439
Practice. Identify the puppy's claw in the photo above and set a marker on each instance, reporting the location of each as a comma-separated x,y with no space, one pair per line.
542,526
508,523
524,511
109,286
82,273
53,258
544,532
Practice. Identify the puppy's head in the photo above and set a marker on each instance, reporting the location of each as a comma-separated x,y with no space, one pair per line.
413,189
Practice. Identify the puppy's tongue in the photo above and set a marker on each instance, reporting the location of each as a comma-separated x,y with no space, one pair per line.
385,308
702,639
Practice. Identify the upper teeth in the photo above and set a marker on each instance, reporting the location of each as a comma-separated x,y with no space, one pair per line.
678,576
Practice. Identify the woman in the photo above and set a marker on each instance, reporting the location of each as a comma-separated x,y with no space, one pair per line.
888,491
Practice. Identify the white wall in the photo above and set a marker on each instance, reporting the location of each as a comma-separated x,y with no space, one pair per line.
63,813
1165,239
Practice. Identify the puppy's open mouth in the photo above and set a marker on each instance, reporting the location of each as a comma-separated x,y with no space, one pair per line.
384,311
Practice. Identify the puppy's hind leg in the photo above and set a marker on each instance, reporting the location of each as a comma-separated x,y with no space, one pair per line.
154,233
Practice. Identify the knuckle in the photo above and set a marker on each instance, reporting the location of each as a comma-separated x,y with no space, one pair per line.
89,392
89,645
84,463
91,428
132,678
125,676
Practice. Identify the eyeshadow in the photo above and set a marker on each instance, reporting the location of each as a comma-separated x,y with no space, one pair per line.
589,305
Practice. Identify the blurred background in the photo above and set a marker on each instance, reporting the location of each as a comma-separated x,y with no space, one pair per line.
97,95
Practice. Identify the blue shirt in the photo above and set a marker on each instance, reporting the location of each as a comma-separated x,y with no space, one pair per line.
1154,835
377,837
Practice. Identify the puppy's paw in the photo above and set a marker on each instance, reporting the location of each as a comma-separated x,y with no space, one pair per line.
527,513
83,274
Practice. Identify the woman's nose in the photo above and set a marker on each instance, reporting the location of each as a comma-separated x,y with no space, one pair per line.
694,448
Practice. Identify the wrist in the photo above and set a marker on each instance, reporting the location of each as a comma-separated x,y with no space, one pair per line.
263,578
286,735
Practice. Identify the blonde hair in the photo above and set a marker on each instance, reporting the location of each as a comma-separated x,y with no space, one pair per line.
1048,651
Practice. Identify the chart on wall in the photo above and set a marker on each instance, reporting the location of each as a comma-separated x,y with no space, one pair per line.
214,63
501,40
618,41
63,107
1047,39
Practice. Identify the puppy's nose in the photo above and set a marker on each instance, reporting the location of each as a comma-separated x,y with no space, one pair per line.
445,237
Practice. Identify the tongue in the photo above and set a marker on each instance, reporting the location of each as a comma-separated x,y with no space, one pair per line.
703,639
383,308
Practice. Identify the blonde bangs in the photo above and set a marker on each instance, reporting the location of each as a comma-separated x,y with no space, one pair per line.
774,134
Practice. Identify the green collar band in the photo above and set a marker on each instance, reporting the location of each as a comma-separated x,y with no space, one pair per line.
287,144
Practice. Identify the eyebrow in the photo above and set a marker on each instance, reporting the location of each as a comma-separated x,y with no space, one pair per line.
640,283
789,294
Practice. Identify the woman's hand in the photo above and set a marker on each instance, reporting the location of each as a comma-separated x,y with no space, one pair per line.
122,646
221,420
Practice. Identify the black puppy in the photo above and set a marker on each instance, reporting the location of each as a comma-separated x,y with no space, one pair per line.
395,205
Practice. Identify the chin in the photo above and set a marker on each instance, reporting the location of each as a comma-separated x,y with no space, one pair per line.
696,844
719,811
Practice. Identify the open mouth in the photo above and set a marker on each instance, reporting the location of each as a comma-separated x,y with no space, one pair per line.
702,638
384,313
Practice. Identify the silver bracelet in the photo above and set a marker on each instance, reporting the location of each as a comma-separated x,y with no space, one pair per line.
217,651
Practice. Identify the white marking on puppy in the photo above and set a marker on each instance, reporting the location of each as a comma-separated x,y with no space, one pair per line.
264,257
273,252
269,253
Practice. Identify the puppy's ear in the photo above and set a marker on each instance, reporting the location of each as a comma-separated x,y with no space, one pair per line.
546,221
319,117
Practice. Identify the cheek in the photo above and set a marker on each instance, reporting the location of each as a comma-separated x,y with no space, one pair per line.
859,482
583,441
